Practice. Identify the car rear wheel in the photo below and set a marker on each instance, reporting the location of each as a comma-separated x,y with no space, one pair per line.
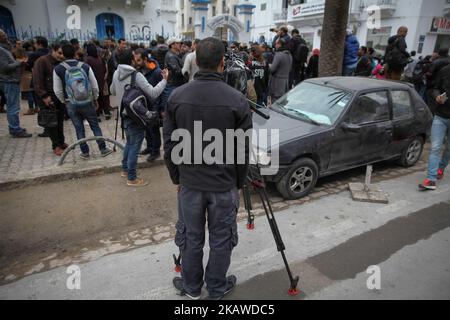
300,179
412,153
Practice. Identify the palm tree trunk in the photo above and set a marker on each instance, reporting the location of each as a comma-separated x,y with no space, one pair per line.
333,37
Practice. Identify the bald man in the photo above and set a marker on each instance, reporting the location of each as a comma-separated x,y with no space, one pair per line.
396,54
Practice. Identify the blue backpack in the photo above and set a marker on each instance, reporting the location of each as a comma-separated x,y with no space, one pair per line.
78,86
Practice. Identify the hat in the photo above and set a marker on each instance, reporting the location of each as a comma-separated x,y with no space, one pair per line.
173,40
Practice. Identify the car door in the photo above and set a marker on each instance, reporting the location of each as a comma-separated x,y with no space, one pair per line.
365,133
403,120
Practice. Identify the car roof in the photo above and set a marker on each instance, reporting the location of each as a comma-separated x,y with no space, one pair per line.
356,84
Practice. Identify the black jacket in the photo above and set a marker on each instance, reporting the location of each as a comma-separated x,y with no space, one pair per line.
175,66
434,69
443,85
396,50
297,54
218,106
364,67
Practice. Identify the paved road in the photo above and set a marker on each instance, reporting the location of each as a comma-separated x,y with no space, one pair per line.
330,244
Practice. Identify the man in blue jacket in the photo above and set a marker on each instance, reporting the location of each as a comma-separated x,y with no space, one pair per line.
350,54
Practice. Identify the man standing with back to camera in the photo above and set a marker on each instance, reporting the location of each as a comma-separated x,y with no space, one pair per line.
202,187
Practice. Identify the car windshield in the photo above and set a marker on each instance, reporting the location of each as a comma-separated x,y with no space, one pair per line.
314,103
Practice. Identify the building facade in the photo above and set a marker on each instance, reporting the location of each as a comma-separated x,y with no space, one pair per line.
229,20
134,20
373,21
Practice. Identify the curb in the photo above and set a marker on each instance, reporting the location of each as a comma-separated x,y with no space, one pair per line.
64,176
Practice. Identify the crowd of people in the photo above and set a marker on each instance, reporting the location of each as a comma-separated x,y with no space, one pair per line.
37,72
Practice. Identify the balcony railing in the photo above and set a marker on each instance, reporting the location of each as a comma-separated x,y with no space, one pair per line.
168,6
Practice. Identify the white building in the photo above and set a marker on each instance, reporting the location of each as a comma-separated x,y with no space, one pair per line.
427,20
230,20
134,20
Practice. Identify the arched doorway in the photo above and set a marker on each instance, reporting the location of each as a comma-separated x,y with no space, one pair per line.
226,33
225,27
7,22
110,25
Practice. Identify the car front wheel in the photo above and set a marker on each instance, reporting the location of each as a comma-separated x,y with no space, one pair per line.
412,153
300,179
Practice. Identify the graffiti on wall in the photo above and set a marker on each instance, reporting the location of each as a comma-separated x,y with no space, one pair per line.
140,32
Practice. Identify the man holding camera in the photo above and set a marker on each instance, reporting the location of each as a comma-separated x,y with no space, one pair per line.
282,33
203,187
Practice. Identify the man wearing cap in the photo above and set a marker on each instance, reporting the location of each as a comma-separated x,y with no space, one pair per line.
174,64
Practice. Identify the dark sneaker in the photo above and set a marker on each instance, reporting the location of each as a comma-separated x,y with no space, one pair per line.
99,120
146,152
108,117
43,135
153,158
84,156
440,174
22,134
231,284
427,185
106,152
178,284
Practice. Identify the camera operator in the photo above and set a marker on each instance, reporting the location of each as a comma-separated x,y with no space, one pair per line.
206,187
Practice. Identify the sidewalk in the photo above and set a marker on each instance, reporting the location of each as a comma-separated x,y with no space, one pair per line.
31,161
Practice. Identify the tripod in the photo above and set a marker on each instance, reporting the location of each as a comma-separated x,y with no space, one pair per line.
255,180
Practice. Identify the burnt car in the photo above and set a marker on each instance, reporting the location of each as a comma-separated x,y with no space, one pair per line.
329,125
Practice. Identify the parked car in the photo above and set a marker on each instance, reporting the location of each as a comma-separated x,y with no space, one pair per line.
329,125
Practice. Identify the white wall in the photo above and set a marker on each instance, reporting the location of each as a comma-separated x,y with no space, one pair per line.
56,18
37,17
263,20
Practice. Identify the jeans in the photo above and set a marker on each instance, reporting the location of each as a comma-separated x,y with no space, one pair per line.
348,71
12,94
439,130
262,99
153,137
135,136
87,112
190,237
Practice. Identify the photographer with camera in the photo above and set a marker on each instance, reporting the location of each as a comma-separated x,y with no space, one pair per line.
282,33
202,188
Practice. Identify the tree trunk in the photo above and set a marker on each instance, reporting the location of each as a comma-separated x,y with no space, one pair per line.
333,37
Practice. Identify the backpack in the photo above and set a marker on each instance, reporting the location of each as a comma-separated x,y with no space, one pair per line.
235,73
78,86
135,106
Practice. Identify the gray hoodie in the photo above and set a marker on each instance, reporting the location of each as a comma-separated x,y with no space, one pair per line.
122,77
